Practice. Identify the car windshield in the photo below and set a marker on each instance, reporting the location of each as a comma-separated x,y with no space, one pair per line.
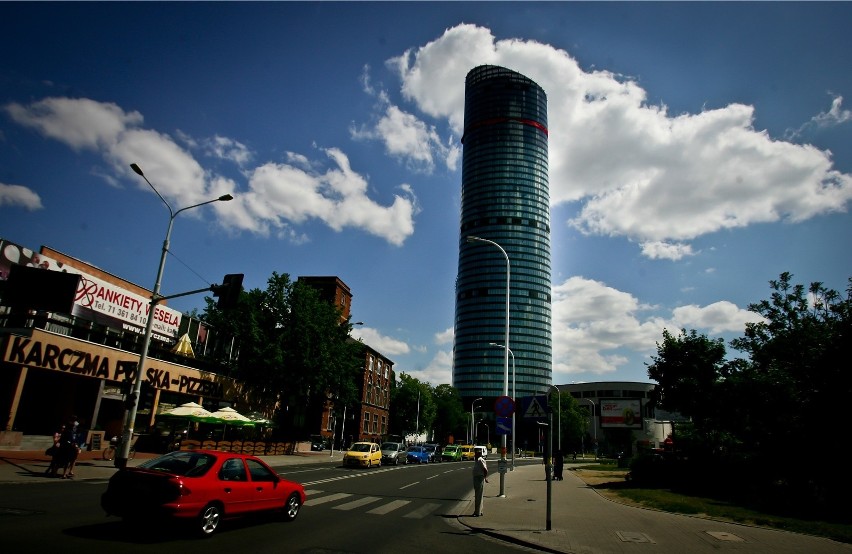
450,448
185,463
390,446
360,447
416,449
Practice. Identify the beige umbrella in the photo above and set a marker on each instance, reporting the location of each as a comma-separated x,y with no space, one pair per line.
184,346
191,411
230,416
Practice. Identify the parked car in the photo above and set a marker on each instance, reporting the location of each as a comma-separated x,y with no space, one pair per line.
363,454
317,443
418,455
201,488
467,452
394,453
434,452
451,453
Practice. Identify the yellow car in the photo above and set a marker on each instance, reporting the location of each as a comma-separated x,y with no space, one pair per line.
363,454
467,452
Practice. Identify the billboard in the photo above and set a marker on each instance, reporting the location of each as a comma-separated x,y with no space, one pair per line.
98,300
621,413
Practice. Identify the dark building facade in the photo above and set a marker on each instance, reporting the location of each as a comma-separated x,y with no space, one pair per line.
505,200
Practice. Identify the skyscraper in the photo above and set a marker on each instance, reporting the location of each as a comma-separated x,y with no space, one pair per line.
505,201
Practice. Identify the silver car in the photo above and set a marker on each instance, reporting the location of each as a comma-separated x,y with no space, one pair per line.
394,453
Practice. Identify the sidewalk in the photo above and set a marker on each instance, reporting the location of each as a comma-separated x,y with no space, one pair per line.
582,521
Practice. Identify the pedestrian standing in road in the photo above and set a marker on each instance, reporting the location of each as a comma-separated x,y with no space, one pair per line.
480,477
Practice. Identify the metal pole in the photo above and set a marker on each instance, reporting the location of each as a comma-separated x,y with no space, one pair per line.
133,402
471,419
594,427
559,415
549,471
514,444
506,357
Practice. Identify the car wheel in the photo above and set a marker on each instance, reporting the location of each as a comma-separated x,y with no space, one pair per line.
396,461
291,507
209,519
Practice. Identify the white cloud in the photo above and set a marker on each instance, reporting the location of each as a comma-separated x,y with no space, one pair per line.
438,371
446,336
279,196
595,326
405,136
638,171
661,250
388,346
17,195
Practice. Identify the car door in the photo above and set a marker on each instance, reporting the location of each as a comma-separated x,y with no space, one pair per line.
236,491
267,491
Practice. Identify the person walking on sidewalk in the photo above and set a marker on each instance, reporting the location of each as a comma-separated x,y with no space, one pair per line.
480,477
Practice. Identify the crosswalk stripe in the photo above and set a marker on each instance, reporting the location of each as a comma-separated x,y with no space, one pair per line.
358,503
422,511
324,499
389,507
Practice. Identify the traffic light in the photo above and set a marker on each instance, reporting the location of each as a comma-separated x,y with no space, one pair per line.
229,291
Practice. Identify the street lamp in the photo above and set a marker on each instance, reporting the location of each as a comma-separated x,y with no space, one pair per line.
472,238
471,419
133,400
514,444
594,427
559,419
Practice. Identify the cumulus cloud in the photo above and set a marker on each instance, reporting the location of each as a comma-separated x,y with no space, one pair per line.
595,326
17,195
638,171
374,339
279,196
405,136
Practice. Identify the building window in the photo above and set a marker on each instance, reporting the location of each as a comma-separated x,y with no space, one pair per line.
375,423
366,422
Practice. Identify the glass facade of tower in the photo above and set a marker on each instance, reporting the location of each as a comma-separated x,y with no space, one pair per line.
505,199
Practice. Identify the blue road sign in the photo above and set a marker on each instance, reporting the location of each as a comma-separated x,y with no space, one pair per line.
504,426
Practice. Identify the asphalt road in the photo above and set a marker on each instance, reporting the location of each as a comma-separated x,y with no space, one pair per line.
398,508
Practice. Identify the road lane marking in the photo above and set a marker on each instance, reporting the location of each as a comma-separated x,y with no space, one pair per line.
422,511
389,507
358,503
324,499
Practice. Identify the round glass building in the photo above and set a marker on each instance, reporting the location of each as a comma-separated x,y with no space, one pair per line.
505,207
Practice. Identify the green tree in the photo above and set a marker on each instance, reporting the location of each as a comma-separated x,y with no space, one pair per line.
412,406
450,415
294,349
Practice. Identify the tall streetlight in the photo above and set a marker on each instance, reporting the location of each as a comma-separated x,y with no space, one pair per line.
471,419
472,238
559,419
514,444
594,427
133,400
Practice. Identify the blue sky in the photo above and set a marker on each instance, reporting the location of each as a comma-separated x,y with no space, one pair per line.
697,150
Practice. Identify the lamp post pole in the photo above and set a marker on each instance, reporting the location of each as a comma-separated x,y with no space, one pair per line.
506,358
133,401
514,399
559,417
594,427
471,419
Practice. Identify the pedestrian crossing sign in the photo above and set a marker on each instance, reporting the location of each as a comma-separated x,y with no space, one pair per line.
534,407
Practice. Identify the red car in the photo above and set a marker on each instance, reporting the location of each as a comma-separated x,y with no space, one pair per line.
201,487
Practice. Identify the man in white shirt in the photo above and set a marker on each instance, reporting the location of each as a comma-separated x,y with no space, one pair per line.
480,477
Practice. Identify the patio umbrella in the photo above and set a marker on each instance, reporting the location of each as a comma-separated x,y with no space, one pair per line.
191,411
184,346
230,416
